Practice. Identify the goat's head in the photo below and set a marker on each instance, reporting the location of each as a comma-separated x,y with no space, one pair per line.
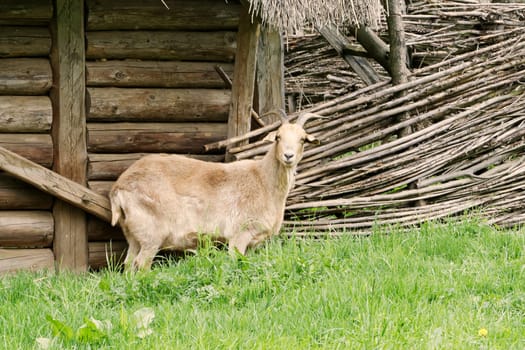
290,139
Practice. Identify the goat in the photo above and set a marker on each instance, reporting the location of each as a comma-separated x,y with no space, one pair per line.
166,201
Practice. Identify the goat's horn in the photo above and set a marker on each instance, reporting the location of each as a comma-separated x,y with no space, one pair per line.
280,112
303,118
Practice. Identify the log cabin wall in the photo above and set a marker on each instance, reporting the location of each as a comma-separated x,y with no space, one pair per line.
152,87
26,220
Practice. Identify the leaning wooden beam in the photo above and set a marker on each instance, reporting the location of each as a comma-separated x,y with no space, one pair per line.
55,184
359,64
373,44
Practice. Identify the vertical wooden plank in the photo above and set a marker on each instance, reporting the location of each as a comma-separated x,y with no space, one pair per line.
239,120
69,129
270,74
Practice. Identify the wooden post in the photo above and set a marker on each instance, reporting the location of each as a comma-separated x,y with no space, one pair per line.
69,129
239,119
270,74
398,52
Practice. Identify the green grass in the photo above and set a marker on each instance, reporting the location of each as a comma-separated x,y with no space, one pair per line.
434,287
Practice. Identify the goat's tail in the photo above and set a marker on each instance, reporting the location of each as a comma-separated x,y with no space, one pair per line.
116,207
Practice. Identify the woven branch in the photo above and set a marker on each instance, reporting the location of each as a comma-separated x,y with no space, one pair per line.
467,150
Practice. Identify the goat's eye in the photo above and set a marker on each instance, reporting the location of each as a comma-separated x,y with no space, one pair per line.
302,141
277,138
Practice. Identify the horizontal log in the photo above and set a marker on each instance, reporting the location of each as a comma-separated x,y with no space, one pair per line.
99,230
24,42
100,253
162,45
153,137
110,166
16,195
12,260
25,76
26,229
166,74
103,166
100,187
35,147
27,12
55,184
181,15
173,105
25,114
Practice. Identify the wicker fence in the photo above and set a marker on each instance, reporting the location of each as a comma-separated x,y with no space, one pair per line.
466,105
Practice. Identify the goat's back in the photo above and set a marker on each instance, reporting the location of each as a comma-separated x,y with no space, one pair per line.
194,194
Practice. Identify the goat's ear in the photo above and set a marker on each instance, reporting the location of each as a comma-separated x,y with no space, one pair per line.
270,137
312,139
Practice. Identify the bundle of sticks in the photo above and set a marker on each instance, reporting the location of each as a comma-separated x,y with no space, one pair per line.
315,72
436,30
465,151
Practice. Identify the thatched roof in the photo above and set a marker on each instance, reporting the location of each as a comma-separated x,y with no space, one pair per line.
292,15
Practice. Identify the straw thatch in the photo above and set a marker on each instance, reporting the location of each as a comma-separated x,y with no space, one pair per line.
291,16
467,147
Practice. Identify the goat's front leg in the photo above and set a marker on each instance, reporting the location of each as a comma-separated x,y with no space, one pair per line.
240,243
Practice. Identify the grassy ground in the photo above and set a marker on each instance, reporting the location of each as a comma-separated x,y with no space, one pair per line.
459,285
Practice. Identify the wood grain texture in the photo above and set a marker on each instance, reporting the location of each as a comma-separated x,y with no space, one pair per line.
101,187
12,260
108,166
99,230
25,76
239,119
17,195
27,12
270,75
162,45
29,114
35,147
24,41
100,253
26,229
164,105
153,137
181,15
164,74
69,130
55,184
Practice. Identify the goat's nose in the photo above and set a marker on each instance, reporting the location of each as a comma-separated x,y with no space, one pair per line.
288,156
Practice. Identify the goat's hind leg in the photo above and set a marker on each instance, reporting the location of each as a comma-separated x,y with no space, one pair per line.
144,258
133,250
143,243
133,246
150,243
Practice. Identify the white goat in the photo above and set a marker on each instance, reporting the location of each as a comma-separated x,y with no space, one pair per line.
166,201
